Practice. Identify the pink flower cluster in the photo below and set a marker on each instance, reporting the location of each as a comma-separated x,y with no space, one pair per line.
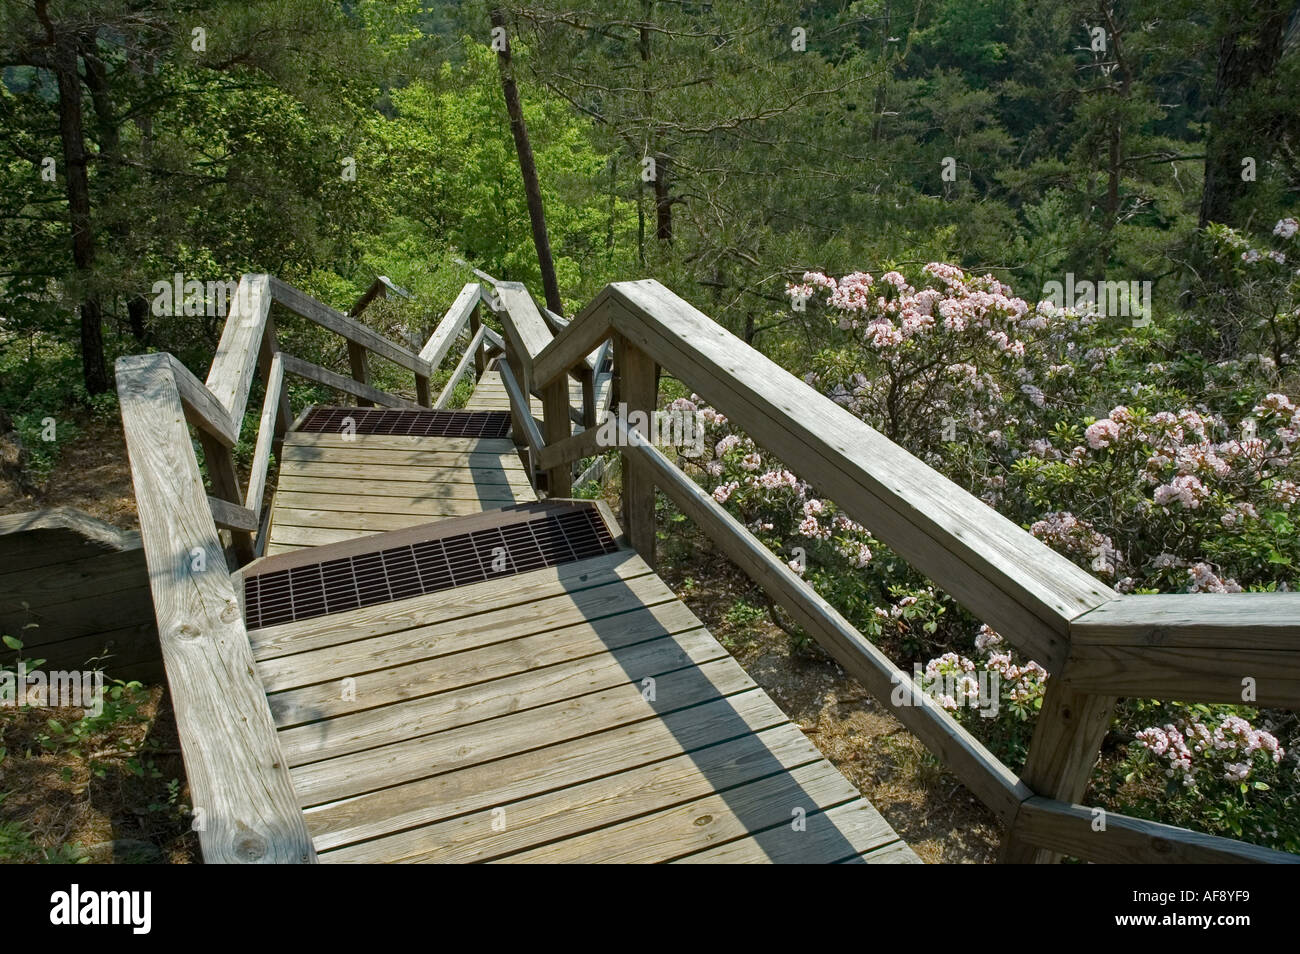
1228,751
889,312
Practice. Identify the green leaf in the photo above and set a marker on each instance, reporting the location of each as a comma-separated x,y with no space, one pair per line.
14,644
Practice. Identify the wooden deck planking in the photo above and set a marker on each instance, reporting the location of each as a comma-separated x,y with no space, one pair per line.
474,702
525,700
334,488
490,395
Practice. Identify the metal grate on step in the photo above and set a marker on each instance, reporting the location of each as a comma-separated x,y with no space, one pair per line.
413,569
412,422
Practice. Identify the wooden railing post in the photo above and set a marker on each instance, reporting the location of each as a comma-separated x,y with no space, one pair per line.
360,373
225,485
1062,753
638,387
475,322
557,428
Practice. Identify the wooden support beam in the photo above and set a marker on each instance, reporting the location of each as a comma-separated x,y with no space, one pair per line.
360,373
1063,750
558,428
521,413
636,372
232,517
220,465
475,329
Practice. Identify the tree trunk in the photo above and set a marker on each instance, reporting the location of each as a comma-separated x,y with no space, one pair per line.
1249,51
528,169
94,371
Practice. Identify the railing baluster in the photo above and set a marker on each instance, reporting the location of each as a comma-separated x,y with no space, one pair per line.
638,390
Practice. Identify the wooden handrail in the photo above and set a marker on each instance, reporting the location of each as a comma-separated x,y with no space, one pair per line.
244,802
451,325
302,304
1097,644
471,353
981,772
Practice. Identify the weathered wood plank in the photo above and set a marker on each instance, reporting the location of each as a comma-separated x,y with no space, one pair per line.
301,303
403,443
708,821
339,382
449,470
1002,574
231,374
430,500
370,521
486,785
481,484
591,804
1063,828
822,840
232,758
358,773
548,608
405,715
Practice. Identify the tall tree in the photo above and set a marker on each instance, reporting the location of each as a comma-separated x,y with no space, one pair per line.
527,165
1244,121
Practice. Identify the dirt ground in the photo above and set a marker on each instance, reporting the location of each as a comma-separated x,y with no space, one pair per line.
91,475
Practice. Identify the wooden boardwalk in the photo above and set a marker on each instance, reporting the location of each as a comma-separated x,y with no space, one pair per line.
578,712
333,489
432,665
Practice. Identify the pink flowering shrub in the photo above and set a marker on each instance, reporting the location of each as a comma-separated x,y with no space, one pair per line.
1156,470
1175,501
962,684
1211,768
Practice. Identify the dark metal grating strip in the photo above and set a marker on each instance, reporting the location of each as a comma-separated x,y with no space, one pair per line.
400,572
407,423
